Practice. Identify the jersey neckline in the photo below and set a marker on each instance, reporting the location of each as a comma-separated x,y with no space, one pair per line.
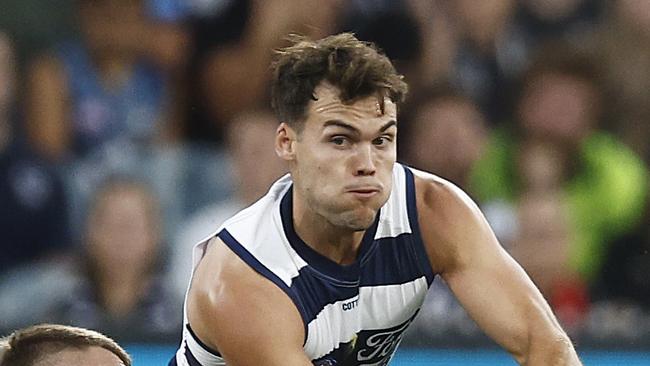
348,273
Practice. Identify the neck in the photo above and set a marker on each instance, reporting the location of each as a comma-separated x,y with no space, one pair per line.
339,244
248,194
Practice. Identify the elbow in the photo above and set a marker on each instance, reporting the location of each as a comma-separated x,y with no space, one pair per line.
552,350
562,351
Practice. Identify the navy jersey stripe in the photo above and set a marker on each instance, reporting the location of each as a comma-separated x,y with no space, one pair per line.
418,243
317,292
394,261
191,360
203,345
172,362
247,257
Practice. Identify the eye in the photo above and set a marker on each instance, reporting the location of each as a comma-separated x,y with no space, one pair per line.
339,140
381,141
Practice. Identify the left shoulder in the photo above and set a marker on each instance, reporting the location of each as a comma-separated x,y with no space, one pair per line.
441,198
451,224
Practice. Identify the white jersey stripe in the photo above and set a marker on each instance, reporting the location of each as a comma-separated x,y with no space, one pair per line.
204,357
339,322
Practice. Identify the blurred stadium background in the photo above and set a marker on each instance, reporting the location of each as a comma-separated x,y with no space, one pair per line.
129,129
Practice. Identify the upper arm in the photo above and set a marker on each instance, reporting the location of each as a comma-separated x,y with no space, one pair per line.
489,284
47,107
245,316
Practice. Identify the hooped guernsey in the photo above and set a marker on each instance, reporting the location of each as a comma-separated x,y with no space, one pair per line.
352,314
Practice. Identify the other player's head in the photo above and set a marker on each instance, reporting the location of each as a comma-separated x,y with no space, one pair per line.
337,100
59,345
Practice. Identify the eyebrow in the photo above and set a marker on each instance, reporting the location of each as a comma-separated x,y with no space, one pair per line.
347,126
388,125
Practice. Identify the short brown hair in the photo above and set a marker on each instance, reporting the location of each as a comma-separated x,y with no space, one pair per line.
357,68
27,346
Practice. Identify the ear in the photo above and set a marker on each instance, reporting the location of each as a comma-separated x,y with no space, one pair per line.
285,139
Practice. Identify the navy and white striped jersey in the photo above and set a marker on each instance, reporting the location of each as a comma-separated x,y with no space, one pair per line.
353,314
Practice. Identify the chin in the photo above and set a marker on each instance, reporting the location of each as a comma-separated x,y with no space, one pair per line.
358,220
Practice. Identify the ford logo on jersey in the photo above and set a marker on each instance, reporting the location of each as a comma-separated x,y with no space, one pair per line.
367,348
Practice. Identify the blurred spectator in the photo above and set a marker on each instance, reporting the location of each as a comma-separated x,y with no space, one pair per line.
490,53
33,211
255,167
625,272
119,290
542,222
106,86
376,21
572,21
35,25
422,50
438,45
7,80
233,49
573,187
622,46
186,177
445,134
496,40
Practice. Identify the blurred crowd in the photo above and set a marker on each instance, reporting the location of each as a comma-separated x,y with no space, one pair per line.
130,129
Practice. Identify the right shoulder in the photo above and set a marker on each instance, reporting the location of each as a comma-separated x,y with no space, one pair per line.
234,309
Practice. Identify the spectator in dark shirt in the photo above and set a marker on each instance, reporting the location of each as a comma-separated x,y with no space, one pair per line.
33,217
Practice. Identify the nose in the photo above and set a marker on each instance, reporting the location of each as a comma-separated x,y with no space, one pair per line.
365,165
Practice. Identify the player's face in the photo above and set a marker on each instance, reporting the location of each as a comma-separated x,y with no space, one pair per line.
344,158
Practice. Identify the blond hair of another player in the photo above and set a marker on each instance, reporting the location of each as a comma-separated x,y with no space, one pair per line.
25,347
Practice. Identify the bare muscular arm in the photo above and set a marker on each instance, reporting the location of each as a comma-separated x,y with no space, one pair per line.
490,285
245,316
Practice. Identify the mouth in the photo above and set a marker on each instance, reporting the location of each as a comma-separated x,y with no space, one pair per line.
364,192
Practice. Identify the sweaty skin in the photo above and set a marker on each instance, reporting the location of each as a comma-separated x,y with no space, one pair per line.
341,163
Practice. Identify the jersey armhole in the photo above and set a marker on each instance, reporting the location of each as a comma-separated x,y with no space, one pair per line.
260,268
195,352
211,350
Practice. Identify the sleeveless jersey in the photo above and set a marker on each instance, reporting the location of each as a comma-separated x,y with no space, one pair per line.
353,314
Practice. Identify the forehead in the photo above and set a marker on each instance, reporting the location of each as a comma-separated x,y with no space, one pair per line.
92,355
329,106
